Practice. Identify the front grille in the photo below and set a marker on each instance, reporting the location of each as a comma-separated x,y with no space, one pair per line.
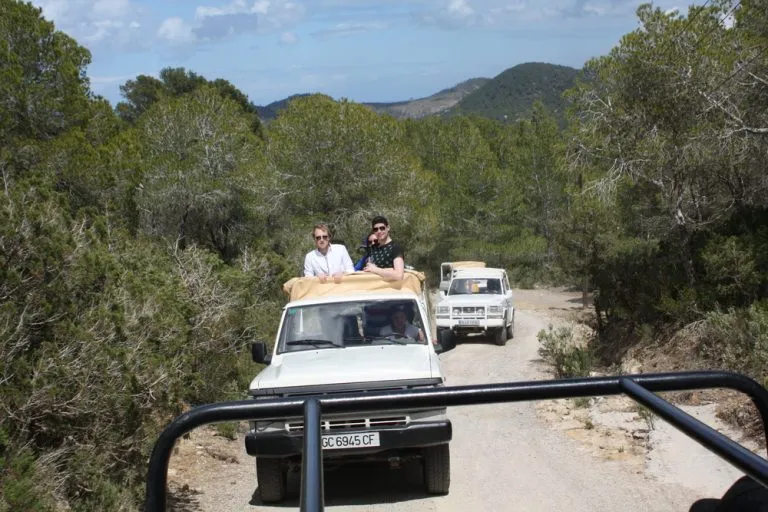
469,312
351,423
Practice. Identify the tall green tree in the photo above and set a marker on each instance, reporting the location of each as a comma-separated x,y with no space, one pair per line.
43,87
203,168
140,94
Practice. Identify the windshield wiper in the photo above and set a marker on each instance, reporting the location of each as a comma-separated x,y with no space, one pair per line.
313,341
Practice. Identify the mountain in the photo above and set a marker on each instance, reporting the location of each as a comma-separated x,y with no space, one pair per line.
269,112
511,94
435,104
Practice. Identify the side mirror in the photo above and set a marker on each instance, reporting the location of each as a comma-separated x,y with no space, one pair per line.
442,293
259,353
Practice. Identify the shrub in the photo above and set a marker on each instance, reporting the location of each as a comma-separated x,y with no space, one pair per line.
566,357
737,340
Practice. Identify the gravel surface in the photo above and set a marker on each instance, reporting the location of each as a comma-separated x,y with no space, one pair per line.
503,457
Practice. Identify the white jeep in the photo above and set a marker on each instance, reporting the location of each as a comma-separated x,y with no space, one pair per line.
478,300
346,337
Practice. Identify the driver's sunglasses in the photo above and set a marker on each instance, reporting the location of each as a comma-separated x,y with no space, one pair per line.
379,228
321,237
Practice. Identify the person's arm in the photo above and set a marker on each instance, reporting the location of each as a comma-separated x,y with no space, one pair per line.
346,261
308,272
392,274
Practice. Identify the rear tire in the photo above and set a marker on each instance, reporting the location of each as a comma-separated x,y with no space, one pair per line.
437,469
271,477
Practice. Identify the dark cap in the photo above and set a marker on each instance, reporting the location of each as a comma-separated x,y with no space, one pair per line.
379,219
399,307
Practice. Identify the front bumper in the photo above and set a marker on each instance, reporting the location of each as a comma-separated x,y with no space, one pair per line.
415,435
470,325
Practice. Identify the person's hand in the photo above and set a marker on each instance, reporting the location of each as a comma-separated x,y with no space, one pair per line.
337,276
371,267
322,277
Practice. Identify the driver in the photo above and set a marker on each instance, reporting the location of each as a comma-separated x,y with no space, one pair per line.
399,324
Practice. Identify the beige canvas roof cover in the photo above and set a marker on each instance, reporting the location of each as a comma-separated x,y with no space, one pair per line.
355,283
468,264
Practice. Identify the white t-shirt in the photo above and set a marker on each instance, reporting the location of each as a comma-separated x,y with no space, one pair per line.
410,330
336,259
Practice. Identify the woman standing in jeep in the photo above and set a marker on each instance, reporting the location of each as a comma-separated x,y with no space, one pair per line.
386,258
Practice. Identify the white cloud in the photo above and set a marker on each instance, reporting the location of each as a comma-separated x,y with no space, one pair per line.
109,22
240,16
176,30
347,28
288,38
509,13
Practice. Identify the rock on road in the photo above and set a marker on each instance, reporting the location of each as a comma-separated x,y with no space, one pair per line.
503,457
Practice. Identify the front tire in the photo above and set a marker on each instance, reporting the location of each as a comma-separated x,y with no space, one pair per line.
271,477
437,469
500,337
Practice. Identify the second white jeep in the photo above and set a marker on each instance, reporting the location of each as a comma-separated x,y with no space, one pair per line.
478,300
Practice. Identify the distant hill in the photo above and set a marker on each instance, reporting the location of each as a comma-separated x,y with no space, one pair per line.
269,112
513,92
435,104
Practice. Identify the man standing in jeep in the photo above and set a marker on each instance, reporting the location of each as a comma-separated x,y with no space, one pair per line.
386,259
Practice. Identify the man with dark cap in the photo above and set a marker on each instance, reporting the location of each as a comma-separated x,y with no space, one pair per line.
386,258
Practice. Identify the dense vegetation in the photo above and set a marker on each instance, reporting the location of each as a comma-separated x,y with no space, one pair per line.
143,247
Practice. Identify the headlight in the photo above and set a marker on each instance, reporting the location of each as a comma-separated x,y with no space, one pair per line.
456,311
479,311
443,310
494,309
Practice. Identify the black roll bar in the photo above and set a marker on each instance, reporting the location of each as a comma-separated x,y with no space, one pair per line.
640,387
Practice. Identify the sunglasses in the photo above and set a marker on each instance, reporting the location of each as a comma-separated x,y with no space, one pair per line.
321,237
379,228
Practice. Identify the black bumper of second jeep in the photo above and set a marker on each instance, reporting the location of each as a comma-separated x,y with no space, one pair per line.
283,444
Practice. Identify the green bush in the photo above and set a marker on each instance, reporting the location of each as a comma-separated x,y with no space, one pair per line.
737,340
566,358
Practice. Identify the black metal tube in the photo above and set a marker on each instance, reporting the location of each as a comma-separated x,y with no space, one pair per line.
743,459
280,408
157,474
312,486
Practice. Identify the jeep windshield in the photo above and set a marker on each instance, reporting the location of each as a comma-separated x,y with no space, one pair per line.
475,286
351,324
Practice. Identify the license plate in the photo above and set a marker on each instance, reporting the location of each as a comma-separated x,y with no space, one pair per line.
469,322
342,441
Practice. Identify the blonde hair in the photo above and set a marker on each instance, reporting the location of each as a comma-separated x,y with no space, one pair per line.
324,227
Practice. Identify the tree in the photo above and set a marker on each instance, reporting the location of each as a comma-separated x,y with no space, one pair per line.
203,176
43,87
142,93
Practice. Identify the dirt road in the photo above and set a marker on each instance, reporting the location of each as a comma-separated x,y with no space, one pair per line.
503,457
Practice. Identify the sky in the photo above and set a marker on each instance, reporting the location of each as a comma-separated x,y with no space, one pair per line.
362,50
